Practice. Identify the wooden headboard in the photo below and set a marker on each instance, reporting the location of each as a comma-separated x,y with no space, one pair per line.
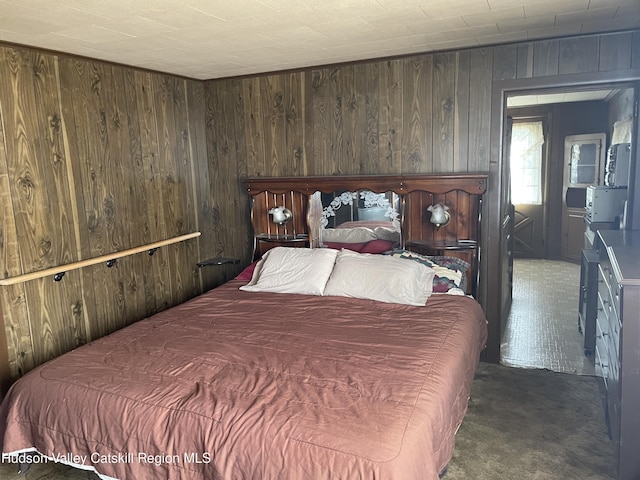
462,193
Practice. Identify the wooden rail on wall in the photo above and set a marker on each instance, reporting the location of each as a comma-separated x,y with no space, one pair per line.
93,261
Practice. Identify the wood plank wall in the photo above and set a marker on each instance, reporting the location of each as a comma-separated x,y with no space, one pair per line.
427,113
96,158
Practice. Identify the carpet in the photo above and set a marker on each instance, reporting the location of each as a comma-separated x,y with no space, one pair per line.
521,425
531,424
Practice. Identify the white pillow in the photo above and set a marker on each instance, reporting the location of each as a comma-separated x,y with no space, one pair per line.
293,270
384,233
380,277
348,235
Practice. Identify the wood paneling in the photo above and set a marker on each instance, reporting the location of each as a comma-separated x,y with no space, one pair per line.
389,117
545,58
578,55
434,115
524,62
505,62
417,115
616,51
94,158
444,66
481,62
461,109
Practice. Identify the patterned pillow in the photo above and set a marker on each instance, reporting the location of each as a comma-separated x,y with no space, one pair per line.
450,271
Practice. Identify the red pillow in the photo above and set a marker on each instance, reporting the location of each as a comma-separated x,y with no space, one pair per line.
247,273
373,246
354,247
377,246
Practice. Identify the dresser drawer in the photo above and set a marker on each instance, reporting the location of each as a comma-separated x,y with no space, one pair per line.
604,307
601,357
605,274
613,397
615,299
615,329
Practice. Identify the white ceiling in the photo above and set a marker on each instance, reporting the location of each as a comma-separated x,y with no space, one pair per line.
208,39
561,97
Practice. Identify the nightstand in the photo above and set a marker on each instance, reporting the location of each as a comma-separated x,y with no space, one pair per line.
221,274
217,261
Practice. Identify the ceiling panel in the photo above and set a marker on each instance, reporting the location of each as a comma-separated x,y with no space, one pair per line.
208,39
562,97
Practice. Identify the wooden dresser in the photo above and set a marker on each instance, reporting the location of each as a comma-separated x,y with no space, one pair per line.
617,349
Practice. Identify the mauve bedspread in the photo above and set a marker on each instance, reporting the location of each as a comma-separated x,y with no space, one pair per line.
239,385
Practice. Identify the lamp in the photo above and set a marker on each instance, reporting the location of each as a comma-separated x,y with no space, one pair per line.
281,215
439,215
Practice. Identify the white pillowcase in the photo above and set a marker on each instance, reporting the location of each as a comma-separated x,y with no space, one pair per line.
348,235
293,270
380,277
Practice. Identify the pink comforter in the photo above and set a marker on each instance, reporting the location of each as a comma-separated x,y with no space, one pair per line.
239,385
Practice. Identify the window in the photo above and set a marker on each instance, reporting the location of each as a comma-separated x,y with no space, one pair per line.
527,139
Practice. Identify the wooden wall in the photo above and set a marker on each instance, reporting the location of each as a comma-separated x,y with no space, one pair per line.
429,113
95,158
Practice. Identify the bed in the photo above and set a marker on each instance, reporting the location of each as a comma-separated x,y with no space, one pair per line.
252,382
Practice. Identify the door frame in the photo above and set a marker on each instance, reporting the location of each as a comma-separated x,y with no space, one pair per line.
497,255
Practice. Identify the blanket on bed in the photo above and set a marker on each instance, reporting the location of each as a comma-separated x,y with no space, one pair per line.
240,385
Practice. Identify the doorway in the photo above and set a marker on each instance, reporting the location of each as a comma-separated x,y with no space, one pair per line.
528,165
540,228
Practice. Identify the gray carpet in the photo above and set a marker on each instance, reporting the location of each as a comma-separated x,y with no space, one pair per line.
521,425
529,424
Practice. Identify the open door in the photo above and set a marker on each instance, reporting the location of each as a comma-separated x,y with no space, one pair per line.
528,159
506,236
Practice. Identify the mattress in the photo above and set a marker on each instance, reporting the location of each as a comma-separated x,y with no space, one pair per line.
245,385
